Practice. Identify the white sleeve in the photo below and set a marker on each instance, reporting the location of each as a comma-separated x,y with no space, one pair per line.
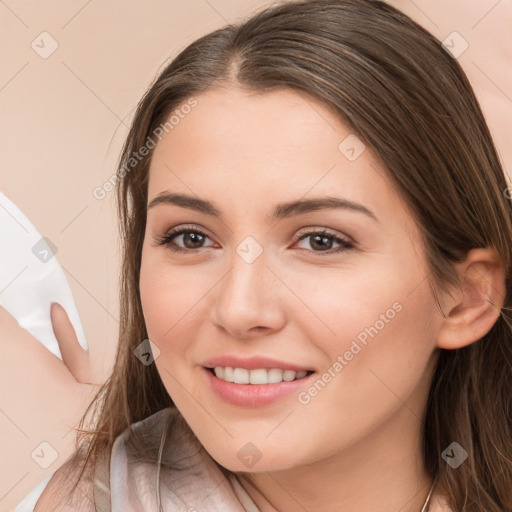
31,278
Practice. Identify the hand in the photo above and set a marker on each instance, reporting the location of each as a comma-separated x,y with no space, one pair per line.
42,397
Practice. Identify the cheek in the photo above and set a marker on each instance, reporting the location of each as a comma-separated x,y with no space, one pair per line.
172,301
168,299
339,308
376,331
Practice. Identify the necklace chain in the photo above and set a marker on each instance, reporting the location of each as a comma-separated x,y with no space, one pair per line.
427,501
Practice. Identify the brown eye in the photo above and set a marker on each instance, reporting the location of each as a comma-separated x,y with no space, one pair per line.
322,242
192,239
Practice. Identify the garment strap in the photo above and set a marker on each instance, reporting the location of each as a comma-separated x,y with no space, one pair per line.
101,487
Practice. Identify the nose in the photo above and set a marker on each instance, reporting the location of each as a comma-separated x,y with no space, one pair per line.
248,301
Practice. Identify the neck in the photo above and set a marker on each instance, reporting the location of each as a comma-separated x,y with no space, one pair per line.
382,472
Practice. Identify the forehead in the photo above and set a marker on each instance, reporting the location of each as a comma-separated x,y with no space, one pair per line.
237,126
248,149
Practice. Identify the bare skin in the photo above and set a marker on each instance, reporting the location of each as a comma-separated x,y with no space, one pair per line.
355,445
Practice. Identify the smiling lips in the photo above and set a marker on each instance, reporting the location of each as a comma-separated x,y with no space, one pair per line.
253,382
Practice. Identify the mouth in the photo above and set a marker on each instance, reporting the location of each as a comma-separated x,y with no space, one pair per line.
257,376
255,387
255,381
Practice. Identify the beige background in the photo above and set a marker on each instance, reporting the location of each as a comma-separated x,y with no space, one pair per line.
63,120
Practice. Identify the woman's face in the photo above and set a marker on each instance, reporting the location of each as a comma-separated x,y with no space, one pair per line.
272,276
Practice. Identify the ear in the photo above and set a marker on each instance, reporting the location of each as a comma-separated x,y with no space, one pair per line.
471,310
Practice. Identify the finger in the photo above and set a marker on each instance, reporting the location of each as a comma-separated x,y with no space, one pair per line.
18,344
73,355
13,334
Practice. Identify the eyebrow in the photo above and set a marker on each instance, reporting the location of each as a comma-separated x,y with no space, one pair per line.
281,211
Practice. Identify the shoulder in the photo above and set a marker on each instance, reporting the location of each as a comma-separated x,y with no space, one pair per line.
61,494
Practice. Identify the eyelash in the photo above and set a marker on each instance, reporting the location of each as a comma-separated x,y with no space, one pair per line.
168,237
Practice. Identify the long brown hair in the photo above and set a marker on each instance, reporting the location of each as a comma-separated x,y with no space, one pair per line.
406,97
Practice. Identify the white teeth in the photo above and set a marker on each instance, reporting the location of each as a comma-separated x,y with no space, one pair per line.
275,375
289,375
240,376
228,374
259,376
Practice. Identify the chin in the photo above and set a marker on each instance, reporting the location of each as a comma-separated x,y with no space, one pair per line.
248,458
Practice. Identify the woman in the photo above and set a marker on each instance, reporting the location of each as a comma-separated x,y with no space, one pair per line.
316,260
